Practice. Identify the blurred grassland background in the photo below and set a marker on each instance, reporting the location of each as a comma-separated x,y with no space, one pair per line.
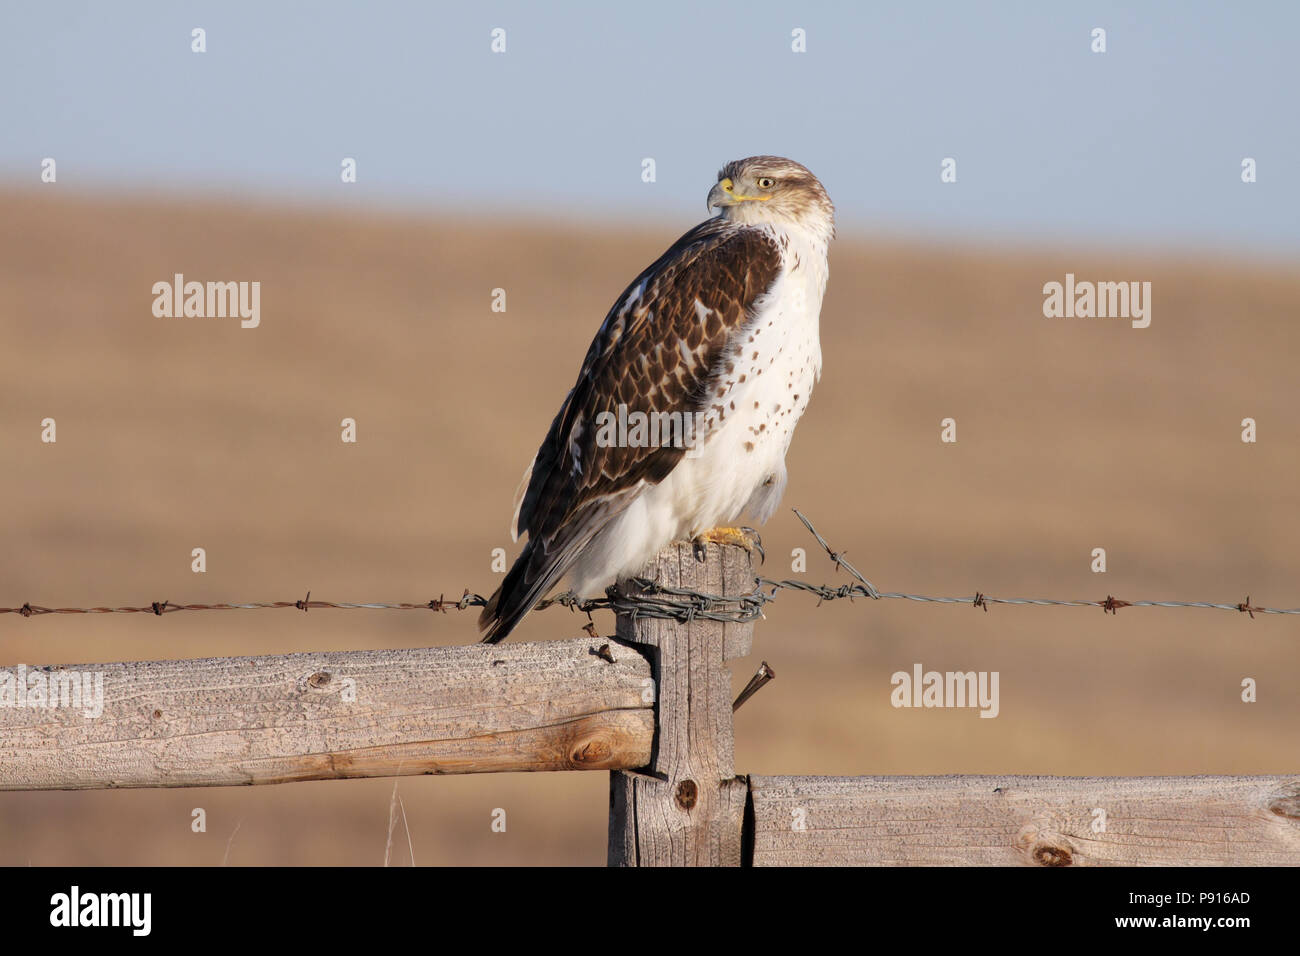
1073,434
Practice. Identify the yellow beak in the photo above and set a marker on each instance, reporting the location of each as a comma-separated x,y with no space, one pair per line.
724,194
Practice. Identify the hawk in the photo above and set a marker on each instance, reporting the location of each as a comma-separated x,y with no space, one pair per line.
687,399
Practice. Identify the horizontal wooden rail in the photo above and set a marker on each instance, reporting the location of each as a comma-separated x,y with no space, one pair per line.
1044,821
558,705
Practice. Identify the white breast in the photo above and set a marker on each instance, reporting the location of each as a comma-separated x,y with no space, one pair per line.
738,466
770,387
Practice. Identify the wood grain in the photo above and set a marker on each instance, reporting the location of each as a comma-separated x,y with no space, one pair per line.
1034,821
687,808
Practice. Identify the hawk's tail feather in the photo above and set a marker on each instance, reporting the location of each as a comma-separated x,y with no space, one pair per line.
538,568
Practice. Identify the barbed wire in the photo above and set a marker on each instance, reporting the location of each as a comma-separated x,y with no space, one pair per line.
640,598
637,597
865,589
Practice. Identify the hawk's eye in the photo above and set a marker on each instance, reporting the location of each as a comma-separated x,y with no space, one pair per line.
766,182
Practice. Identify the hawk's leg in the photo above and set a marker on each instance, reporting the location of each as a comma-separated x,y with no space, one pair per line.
746,538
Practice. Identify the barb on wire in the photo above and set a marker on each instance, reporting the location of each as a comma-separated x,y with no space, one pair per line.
641,598
836,556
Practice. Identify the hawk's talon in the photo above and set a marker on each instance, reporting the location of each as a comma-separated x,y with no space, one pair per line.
741,537
754,541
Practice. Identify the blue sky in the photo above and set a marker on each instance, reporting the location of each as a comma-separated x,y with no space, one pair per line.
1141,144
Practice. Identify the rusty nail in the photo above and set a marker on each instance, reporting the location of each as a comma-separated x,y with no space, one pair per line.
756,683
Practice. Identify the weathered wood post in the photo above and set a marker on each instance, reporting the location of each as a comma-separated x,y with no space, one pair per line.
686,808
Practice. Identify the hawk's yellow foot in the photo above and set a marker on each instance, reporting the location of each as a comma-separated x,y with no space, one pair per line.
746,538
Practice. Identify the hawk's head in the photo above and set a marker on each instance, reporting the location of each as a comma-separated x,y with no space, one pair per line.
773,189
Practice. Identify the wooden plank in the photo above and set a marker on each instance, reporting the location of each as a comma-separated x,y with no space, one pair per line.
1036,821
687,808
252,720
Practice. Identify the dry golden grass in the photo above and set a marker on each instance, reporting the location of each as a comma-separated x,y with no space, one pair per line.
1074,434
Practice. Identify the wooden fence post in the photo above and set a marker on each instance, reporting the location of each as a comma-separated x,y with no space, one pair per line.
687,807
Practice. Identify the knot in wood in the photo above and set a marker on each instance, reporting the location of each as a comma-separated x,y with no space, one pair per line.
596,750
318,679
1047,854
1286,803
687,794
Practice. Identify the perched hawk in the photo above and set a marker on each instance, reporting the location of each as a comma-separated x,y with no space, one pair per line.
688,397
